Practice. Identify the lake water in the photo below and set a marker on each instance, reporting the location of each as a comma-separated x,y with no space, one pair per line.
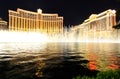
56,60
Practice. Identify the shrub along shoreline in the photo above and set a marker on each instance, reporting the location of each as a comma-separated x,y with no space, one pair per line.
110,74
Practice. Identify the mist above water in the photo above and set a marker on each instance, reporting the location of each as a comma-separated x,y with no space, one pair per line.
66,36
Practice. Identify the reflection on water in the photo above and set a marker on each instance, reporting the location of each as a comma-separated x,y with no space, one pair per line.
56,60
103,56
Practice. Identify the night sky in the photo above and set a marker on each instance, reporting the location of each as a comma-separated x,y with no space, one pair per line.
73,11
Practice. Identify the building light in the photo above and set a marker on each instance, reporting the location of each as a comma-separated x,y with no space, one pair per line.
114,11
34,21
39,10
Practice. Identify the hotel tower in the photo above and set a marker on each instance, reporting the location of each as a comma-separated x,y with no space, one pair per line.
23,20
98,26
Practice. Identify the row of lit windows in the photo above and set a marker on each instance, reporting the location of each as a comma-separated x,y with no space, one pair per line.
13,13
98,25
25,16
23,23
49,17
50,23
22,14
33,16
56,19
3,23
53,25
59,20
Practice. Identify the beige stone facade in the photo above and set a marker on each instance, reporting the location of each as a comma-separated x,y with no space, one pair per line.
23,20
98,26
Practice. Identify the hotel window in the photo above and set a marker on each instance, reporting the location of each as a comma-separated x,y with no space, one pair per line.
91,26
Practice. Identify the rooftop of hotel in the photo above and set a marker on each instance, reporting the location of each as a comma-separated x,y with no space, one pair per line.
39,11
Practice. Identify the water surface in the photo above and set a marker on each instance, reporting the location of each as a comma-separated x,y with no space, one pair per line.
56,60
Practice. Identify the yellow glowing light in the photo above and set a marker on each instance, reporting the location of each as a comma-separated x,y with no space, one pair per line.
7,36
114,11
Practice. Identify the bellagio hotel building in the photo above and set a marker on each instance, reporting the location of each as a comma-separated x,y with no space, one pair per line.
23,20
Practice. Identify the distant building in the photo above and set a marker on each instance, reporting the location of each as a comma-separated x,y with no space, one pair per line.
23,20
3,25
98,26
103,21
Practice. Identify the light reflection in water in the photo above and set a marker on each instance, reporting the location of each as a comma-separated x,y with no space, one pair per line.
51,59
103,56
40,66
114,64
100,56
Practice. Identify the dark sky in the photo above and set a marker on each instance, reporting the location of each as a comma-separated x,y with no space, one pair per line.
73,11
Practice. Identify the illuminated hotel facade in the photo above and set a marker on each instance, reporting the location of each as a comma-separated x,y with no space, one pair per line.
98,26
23,20
3,25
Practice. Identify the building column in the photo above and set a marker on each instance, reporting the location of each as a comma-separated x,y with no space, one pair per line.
24,24
114,16
10,28
13,23
21,23
18,23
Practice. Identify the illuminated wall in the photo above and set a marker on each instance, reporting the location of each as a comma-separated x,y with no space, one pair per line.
23,20
98,26
3,24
